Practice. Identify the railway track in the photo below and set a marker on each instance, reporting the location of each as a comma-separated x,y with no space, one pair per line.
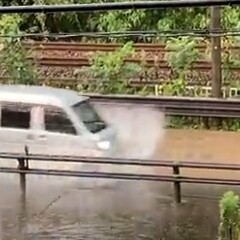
58,62
65,54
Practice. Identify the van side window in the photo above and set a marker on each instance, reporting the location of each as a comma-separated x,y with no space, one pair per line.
15,115
56,120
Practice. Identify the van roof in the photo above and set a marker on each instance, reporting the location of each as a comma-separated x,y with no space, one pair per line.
39,95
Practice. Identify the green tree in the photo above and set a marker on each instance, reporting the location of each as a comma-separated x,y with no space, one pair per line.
13,54
161,19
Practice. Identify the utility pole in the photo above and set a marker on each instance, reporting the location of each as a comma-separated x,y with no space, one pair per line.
216,53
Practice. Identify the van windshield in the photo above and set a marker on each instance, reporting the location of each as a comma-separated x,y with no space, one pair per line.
87,114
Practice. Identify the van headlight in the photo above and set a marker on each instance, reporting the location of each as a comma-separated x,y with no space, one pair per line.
104,145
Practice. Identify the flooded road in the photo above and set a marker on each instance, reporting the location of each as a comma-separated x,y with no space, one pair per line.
124,210
200,145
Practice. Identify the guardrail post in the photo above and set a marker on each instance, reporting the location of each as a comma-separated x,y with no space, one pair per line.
177,184
27,153
23,165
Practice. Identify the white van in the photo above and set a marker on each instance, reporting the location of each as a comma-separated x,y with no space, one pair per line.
52,121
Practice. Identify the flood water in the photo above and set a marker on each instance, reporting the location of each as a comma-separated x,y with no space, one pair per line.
124,210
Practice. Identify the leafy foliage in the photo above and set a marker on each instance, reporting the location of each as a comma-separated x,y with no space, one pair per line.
182,54
192,18
13,54
110,71
230,217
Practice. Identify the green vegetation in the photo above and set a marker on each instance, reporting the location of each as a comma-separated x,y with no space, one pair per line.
13,56
109,73
229,228
171,19
197,18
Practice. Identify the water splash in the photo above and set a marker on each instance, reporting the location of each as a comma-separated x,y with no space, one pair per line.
139,129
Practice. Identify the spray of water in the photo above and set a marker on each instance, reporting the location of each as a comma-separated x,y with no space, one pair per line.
139,129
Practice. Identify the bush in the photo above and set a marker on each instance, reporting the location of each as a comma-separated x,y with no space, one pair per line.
229,228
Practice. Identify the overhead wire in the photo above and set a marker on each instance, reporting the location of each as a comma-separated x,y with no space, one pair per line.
120,34
145,5
111,6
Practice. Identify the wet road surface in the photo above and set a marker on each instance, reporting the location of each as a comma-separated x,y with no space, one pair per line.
123,210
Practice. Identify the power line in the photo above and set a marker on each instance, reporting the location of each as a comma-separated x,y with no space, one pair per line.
99,7
119,34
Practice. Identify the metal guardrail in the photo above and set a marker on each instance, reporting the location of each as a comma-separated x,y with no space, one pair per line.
177,106
176,178
199,91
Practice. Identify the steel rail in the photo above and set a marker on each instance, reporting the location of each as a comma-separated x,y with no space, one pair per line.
150,63
121,161
84,61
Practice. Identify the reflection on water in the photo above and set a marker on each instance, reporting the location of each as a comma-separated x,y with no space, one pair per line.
127,210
